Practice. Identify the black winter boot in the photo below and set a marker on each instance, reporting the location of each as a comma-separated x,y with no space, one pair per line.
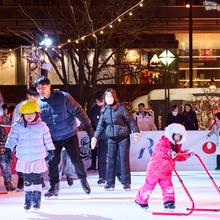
20,184
28,200
8,186
85,185
36,199
53,191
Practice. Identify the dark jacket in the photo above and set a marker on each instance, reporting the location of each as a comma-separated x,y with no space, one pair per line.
94,116
190,120
174,119
59,112
116,122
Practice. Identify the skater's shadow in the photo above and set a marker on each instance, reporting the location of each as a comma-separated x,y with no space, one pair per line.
45,216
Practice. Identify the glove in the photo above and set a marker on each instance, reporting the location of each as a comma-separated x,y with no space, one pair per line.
50,155
136,136
172,153
8,155
191,153
93,142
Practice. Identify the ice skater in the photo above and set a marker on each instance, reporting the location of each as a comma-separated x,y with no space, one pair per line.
117,123
159,169
216,130
34,145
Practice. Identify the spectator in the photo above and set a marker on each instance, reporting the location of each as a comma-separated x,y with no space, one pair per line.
190,120
174,116
144,118
31,94
117,123
5,167
6,115
216,131
59,111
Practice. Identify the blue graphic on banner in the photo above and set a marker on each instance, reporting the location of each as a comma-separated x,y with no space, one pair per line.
150,150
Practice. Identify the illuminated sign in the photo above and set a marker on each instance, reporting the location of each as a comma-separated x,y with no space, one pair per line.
211,5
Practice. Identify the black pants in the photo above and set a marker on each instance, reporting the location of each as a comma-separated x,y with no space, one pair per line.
72,148
121,144
218,161
102,151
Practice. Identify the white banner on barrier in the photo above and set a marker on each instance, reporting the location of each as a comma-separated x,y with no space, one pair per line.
141,151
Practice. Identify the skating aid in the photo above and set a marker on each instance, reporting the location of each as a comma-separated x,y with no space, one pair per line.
185,189
193,205
213,182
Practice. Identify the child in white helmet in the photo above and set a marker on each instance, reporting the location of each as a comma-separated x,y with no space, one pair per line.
34,145
159,169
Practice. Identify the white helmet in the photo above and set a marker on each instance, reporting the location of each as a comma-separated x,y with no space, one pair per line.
175,128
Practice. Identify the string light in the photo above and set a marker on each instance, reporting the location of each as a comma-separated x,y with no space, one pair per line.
100,30
118,18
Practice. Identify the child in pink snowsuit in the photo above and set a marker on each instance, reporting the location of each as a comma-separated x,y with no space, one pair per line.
159,169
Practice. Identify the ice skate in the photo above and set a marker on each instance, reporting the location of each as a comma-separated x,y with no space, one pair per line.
85,185
127,187
169,206
143,206
53,191
28,200
101,181
69,180
36,199
109,187
9,187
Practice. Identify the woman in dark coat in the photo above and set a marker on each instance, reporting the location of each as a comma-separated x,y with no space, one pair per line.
190,120
117,123
174,116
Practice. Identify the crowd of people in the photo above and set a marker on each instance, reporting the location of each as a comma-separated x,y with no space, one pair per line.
43,137
188,117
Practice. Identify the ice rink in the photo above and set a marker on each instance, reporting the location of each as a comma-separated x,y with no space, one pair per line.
73,204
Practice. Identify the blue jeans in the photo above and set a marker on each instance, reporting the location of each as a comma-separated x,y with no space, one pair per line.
5,167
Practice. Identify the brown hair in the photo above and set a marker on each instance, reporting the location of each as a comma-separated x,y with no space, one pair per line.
114,95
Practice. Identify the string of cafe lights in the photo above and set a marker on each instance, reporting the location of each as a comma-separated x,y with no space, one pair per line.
109,25
99,30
